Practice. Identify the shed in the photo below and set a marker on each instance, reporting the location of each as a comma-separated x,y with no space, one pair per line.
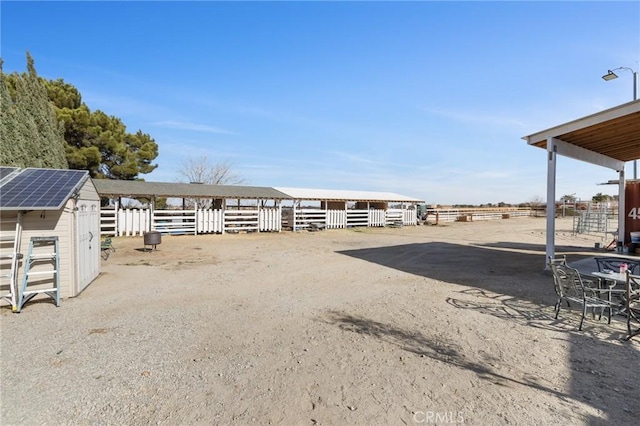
49,203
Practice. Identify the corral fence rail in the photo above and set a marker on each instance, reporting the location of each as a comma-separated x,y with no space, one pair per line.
303,218
471,214
135,222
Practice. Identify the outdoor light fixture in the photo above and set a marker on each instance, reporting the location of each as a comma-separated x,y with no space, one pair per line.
611,75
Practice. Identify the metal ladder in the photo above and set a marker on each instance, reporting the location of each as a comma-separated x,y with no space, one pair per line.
39,244
9,257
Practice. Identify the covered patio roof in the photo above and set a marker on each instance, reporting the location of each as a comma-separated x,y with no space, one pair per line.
609,138
613,133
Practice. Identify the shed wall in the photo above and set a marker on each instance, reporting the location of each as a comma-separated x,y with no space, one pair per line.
50,224
88,192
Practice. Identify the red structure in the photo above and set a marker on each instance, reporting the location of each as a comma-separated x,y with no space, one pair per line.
632,210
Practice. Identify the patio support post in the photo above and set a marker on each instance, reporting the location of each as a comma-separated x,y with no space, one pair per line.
621,210
551,200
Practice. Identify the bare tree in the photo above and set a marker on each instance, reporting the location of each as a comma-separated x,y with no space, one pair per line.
536,201
202,170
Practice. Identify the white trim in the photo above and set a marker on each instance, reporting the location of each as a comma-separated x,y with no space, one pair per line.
581,123
567,149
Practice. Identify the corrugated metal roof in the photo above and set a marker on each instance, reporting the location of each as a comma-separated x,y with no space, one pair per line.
342,195
134,188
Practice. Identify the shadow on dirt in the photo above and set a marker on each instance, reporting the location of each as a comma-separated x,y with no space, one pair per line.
497,274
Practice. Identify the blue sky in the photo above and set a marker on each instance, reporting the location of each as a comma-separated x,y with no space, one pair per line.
425,99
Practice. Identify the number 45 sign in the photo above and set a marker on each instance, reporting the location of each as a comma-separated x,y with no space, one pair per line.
634,213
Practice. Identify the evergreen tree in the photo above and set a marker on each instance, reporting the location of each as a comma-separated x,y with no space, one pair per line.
12,143
46,124
31,136
98,142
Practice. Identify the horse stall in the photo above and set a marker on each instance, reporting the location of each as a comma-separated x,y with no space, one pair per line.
334,209
49,234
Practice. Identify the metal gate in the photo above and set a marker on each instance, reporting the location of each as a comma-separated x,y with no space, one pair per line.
88,245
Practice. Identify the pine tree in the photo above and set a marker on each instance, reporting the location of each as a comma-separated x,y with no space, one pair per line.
12,143
99,142
32,136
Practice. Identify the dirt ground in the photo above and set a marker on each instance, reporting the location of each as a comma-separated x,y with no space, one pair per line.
415,325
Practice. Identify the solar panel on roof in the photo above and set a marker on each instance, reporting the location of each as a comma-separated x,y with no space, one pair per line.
40,189
6,171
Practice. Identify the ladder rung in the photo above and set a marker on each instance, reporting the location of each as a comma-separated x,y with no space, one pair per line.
42,256
44,290
41,272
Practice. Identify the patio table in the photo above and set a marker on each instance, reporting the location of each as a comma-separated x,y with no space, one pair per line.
615,278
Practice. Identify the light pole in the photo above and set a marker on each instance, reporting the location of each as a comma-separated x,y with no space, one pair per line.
611,75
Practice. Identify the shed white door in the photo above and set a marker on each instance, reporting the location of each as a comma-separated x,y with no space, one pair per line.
88,232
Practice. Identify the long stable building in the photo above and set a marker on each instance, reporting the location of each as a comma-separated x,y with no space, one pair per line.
248,208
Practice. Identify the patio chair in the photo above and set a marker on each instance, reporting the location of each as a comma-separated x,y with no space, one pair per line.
106,248
614,263
632,303
571,287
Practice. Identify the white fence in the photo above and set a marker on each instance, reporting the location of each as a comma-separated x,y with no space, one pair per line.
455,215
108,222
132,222
128,222
210,221
336,219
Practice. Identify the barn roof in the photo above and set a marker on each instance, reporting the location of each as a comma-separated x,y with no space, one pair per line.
134,188
342,195
38,189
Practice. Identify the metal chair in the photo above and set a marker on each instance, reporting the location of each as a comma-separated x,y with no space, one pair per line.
632,303
106,248
614,263
570,287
